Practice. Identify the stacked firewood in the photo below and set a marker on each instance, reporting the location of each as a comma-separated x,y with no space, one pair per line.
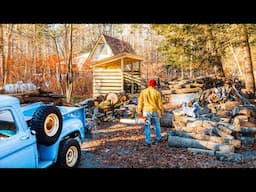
191,86
29,93
184,86
214,135
112,106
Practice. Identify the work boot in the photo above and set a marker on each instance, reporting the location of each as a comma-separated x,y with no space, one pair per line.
147,144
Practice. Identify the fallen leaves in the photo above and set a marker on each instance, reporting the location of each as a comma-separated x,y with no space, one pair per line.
116,145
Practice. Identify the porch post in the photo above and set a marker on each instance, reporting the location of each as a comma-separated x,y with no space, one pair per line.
122,74
132,91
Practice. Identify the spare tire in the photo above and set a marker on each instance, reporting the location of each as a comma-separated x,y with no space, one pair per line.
47,122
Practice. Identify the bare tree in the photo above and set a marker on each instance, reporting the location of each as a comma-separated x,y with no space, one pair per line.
69,83
8,68
248,67
2,59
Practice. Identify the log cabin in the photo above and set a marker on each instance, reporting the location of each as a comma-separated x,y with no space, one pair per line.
116,67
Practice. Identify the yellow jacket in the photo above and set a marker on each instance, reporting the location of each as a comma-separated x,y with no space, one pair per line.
150,101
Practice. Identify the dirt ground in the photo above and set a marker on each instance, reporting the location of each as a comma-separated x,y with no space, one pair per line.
116,145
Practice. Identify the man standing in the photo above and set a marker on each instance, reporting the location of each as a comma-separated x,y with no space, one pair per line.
150,105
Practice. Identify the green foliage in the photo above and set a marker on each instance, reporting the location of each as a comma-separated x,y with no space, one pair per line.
200,44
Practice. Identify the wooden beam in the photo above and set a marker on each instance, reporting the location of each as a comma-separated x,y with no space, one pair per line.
122,74
125,56
132,91
108,88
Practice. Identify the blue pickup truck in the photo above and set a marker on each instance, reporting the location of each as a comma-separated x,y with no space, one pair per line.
40,135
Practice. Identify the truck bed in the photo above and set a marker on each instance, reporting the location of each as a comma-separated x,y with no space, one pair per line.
66,112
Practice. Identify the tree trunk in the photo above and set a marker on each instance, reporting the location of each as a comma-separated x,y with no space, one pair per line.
195,150
174,141
2,59
247,140
69,83
248,67
236,59
9,57
235,142
58,65
228,156
166,120
34,53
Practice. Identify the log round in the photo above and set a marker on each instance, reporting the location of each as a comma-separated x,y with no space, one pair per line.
112,97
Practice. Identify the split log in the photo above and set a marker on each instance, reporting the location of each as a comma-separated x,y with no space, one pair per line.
224,129
247,124
213,107
247,140
245,111
112,97
229,126
239,124
243,99
225,120
221,113
249,155
207,123
181,119
229,105
213,98
197,85
166,120
177,124
236,143
240,117
248,130
221,133
174,141
204,110
131,107
183,90
251,109
104,104
201,123
45,99
228,156
198,130
195,150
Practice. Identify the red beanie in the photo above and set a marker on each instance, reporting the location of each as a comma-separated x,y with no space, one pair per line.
152,83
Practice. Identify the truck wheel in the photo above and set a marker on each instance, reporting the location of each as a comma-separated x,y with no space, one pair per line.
47,122
69,154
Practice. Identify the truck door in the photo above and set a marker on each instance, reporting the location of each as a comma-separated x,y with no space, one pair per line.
17,144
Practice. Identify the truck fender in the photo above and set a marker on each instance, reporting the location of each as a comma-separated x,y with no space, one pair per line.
69,155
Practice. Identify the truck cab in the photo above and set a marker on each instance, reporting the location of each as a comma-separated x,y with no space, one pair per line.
39,135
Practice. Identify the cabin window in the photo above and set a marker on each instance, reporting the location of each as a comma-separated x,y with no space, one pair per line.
7,124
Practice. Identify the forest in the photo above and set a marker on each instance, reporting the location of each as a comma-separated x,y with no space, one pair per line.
37,52
213,63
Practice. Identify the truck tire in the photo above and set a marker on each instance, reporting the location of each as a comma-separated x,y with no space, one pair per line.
47,122
69,154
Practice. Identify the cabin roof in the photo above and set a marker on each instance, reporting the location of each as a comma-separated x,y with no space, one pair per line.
118,46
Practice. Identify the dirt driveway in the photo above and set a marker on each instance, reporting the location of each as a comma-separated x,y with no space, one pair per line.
116,145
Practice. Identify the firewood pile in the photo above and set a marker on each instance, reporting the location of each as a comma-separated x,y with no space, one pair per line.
191,86
29,93
225,125
111,107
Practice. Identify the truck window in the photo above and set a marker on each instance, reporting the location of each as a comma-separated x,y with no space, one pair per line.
7,124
